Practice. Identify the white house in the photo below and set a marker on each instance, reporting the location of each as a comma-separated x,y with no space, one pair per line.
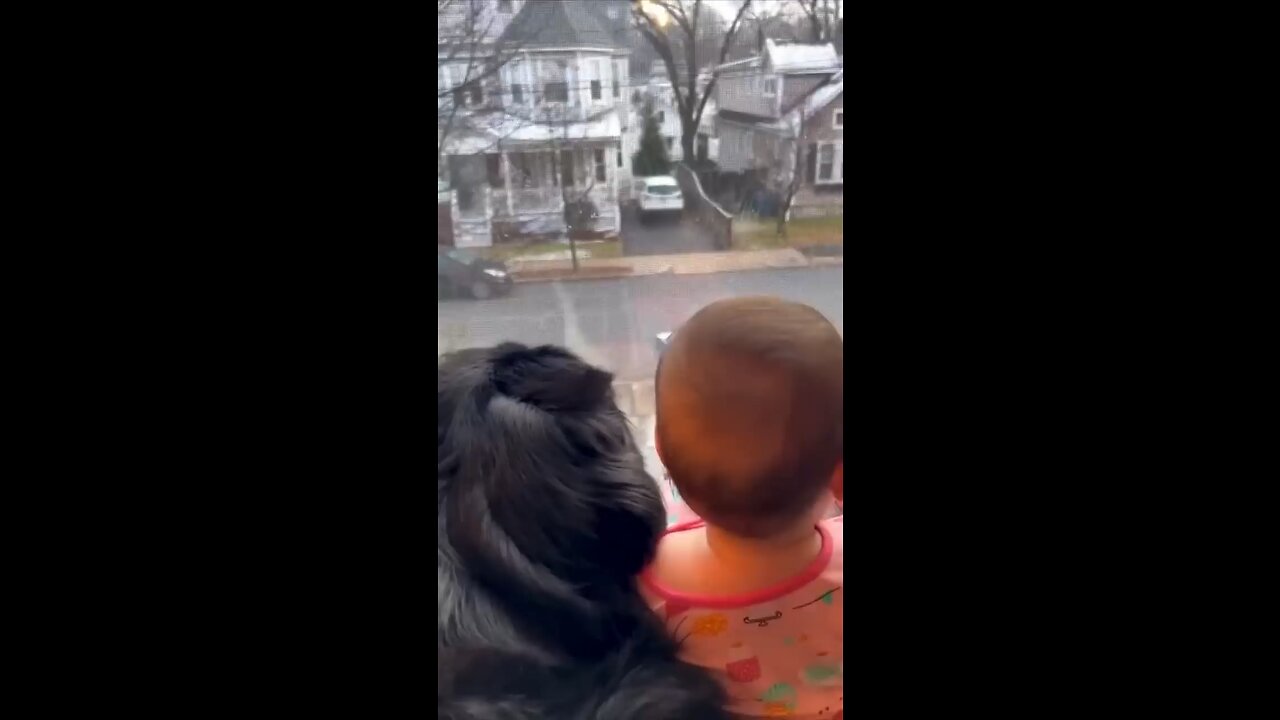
546,128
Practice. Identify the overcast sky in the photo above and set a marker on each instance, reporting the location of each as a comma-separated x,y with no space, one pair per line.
729,8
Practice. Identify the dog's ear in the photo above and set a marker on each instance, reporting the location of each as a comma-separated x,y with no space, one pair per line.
549,378
629,519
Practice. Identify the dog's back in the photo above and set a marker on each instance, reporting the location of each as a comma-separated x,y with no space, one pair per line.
545,516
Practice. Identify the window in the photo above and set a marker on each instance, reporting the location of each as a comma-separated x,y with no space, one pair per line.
599,158
607,321
556,92
826,161
566,167
493,166
524,170
477,93
595,89
770,87
838,116
830,163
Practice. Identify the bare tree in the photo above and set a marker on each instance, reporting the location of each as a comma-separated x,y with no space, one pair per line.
790,172
674,33
822,19
788,166
469,43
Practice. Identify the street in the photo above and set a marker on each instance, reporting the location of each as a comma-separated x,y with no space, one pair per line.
612,323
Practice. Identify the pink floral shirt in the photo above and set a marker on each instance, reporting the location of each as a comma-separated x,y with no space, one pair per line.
778,651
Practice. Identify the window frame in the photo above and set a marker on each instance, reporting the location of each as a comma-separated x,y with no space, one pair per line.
546,91
601,165
767,90
837,118
836,176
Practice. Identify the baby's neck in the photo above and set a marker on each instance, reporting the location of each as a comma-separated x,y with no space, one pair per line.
800,541
715,562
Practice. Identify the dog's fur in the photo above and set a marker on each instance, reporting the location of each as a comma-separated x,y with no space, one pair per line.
545,518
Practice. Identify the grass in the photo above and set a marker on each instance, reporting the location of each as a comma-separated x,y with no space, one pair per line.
587,249
801,232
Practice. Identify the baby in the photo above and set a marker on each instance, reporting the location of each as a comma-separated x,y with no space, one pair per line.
750,406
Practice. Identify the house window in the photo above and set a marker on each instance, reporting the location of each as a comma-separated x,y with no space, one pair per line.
504,6
619,158
599,158
477,93
838,115
830,165
595,89
770,86
556,92
493,166
566,167
617,87
517,93
524,170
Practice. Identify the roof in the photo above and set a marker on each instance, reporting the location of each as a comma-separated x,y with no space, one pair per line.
614,16
740,64
556,23
485,132
799,58
824,95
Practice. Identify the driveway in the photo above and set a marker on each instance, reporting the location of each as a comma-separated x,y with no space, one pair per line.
663,235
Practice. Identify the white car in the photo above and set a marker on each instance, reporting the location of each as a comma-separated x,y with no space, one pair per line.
659,194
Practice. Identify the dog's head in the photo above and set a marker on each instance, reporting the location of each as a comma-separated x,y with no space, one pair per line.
542,494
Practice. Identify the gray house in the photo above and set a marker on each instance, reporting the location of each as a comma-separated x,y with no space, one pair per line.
789,94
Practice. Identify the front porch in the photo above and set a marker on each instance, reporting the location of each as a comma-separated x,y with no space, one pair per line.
520,192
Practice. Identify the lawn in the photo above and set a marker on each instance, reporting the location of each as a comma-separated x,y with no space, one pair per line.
801,232
554,250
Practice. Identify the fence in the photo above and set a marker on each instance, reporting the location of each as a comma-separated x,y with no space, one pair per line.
703,210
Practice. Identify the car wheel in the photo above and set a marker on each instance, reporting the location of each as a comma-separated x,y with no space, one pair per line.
481,290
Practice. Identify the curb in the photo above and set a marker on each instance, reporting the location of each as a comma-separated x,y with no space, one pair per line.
521,277
524,276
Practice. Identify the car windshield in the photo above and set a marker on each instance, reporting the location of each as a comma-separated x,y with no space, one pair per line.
664,190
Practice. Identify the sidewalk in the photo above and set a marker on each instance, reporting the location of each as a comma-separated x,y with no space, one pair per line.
682,264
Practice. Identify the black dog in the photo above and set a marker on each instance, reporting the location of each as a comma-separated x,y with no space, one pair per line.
545,517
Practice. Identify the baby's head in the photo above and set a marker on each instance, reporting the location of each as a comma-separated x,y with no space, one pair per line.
750,399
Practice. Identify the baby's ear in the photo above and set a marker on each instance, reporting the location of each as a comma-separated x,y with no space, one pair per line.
837,482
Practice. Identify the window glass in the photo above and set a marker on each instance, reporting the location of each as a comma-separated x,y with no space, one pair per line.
519,177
